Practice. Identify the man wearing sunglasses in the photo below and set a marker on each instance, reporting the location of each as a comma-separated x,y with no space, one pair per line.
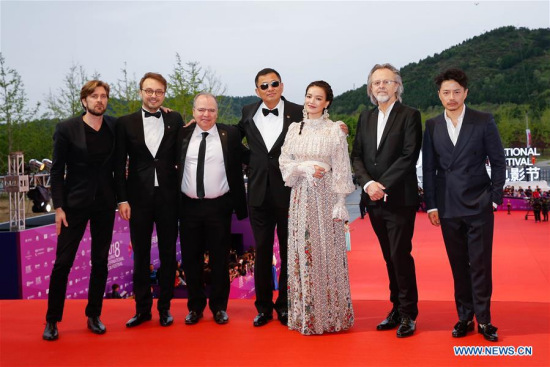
264,124
146,193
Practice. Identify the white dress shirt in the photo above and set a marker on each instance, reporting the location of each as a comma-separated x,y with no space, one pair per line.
270,126
153,131
380,126
454,131
215,178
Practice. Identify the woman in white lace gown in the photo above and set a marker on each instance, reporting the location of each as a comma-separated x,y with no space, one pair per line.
314,161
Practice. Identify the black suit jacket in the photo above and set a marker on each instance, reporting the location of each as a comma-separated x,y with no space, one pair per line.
456,181
138,187
232,157
263,165
393,164
77,189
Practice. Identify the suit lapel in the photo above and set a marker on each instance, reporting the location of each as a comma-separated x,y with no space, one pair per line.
463,136
168,127
223,138
370,129
286,123
389,124
81,136
254,129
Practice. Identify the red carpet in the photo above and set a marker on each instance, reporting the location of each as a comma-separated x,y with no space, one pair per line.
521,310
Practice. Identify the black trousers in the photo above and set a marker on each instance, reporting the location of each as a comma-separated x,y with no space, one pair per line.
205,225
394,228
264,219
101,229
469,245
163,215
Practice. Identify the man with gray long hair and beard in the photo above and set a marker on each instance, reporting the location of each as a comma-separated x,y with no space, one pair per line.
386,148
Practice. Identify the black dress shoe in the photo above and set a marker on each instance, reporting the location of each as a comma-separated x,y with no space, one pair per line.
406,328
96,326
50,332
193,317
262,319
489,331
462,327
166,318
221,317
138,319
283,317
390,322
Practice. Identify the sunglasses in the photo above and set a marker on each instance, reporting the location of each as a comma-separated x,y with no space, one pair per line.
274,84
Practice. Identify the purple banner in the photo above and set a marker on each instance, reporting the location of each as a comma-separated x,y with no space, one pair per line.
37,253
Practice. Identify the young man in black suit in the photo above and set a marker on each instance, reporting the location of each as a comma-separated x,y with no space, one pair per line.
83,147
460,196
146,194
210,179
384,155
264,124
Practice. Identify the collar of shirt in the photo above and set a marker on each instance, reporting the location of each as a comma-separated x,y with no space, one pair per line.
280,107
382,120
212,132
151,118
453,130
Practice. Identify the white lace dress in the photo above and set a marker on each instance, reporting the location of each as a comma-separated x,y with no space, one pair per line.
319,297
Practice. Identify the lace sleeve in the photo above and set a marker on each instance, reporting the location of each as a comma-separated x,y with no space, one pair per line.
290,168
342,183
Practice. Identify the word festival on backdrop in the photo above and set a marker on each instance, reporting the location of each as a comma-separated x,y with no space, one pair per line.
521,162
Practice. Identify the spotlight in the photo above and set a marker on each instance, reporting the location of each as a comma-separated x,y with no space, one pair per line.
40,197
35,164
47,164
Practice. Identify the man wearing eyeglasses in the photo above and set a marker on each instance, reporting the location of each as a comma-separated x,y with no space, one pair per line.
386,148
264,124
211,186
146,194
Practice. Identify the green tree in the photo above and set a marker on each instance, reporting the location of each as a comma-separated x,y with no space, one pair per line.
65,102
13,109
124,96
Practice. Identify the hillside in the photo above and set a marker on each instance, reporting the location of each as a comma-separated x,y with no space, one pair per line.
505,65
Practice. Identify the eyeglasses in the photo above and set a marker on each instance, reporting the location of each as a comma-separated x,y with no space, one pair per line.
385,82
150,92
266,85
204,110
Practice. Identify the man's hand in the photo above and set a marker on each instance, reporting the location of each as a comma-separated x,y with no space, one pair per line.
124,211
434,218
166,109
344,128
60,218
376,191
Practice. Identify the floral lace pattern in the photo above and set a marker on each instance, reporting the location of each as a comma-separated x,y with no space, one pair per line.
318,283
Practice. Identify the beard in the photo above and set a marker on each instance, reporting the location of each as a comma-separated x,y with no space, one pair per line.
97,111
382,98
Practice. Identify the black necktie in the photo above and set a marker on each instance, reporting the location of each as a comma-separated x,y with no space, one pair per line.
267,111
149,114
200,167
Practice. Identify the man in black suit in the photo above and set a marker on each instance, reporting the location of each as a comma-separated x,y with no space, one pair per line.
264,124
384,155
211,184
460,196
147,193
83,147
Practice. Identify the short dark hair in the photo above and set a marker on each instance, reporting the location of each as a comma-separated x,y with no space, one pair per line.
457,75
329,95
158,77
265,72
89,88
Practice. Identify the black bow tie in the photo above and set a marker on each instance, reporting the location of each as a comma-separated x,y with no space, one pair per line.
149,114
267,111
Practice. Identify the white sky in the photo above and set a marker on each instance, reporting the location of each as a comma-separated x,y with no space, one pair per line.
338,41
